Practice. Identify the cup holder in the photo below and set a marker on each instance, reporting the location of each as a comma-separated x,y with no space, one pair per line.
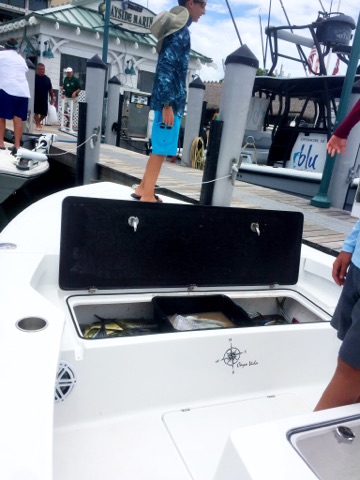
31,324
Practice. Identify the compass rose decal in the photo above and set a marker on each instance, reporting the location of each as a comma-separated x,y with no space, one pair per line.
231,356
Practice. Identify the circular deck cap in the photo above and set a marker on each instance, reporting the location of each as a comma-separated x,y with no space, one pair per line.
31,324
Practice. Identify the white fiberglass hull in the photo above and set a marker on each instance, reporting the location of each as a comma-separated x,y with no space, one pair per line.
154,407
13,178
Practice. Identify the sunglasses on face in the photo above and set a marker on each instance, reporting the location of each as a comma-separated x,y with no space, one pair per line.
202,4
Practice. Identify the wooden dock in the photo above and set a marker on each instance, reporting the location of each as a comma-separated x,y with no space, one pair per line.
323,228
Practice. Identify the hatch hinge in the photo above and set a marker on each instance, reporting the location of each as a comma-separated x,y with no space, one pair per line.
273,285
92,290
191,287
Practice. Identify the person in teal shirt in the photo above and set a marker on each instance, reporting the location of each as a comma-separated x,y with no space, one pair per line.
344,387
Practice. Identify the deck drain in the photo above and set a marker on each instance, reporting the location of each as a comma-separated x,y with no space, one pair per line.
65,381
345,434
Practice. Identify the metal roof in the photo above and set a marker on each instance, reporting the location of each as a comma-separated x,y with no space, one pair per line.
91,20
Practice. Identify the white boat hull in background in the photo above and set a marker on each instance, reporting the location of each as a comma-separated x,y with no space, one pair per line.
17,170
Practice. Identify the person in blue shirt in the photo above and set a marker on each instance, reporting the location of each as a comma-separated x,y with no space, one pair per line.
344,387
169,91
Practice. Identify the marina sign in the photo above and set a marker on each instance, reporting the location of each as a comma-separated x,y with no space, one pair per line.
129,16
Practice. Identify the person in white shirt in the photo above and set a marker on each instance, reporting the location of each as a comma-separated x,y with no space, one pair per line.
14,91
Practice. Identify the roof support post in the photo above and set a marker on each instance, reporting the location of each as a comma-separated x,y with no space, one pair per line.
106,31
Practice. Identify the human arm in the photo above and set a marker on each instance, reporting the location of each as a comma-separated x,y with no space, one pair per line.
168,116
78,89
336,145
337,142
52,96
343,260
76,93
51,92
340,267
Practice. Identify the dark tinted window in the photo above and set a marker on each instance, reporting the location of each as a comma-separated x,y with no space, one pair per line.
37,4
15,3
145,81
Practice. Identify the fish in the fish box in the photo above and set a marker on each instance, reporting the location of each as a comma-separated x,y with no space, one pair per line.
115,327
199,321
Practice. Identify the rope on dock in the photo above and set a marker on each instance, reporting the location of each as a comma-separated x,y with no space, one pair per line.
197,153
73,151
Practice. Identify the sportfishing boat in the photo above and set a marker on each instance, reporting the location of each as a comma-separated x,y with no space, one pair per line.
291,119
166,341
295,117
18,169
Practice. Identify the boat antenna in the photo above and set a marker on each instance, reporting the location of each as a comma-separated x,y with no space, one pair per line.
287,18
233,20
322,6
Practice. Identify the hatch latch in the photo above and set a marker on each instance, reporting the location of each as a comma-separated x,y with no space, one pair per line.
133,222
255,228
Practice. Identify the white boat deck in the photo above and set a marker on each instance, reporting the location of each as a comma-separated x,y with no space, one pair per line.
155,407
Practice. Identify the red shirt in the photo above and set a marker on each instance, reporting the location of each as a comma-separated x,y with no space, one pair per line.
343,130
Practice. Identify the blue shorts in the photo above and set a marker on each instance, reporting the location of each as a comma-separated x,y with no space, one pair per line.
346,318
165,139
11,106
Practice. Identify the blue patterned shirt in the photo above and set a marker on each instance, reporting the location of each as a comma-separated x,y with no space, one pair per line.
171,70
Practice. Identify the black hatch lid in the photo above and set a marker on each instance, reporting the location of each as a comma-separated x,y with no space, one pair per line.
175,245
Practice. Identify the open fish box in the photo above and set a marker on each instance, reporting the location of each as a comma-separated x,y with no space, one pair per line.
132,260
177,314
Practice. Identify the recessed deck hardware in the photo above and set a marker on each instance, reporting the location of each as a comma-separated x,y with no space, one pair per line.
255,228
133,222
345,434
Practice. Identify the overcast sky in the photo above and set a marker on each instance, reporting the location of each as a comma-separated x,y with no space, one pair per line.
215,36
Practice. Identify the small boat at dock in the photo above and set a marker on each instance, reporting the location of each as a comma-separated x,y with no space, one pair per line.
16,170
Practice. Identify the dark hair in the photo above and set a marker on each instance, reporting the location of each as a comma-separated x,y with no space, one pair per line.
182,3
11,44
40,65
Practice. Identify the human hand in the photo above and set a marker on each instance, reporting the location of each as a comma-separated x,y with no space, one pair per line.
168,116
336,145
340,267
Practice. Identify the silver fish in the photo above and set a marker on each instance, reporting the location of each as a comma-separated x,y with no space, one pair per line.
185,323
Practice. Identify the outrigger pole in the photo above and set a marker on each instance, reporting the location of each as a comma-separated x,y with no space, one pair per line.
233,20
291,30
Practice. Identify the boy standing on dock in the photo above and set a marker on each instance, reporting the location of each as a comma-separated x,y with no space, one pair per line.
169,91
